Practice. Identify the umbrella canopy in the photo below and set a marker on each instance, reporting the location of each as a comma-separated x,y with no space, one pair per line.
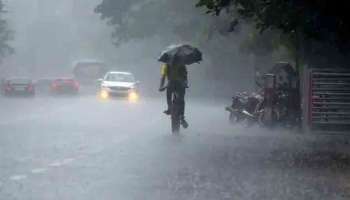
181,54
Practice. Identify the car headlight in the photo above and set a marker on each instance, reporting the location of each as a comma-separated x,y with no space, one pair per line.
104,94
133,96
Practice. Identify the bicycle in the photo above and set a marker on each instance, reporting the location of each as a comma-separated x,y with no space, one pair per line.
175,114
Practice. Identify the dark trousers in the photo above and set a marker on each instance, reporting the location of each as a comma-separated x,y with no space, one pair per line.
180,90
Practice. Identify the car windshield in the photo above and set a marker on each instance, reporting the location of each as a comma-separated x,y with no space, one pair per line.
19,81
64,80
120,77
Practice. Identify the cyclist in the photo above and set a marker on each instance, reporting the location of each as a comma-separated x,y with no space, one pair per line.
176,75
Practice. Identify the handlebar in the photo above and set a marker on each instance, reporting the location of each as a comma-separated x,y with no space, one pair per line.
162,89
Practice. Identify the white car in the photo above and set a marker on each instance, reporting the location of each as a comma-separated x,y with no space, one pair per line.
119,84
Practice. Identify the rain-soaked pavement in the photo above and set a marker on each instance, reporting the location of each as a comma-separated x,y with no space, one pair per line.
79,148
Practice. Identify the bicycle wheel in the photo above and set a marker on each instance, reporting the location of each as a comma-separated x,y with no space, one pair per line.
175,125
175,119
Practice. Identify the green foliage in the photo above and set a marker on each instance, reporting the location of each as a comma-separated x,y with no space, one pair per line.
260,44
5,35
320,20
133,19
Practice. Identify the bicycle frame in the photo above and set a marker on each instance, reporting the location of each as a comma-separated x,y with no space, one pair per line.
175,114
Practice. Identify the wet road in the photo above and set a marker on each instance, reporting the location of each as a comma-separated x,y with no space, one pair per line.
83,149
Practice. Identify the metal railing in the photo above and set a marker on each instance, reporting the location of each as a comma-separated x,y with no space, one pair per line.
329,100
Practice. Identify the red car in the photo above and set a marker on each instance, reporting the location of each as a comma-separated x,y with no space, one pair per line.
65,86
18,86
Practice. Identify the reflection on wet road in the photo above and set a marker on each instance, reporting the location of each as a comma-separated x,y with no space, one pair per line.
81,148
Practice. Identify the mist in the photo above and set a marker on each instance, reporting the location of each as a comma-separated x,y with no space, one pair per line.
50,36
89,112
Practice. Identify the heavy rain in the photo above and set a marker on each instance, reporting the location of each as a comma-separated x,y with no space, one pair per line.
174,100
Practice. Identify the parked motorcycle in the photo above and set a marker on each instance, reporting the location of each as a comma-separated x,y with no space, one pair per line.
243,108
278,104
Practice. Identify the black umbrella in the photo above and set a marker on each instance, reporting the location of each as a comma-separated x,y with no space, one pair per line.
181,54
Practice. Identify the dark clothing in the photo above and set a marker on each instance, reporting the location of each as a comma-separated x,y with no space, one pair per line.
178,88
177,83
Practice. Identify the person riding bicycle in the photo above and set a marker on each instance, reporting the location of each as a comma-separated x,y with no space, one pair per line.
176,75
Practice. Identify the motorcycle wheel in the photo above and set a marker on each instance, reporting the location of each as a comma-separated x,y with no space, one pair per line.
251,122
268,119
232,118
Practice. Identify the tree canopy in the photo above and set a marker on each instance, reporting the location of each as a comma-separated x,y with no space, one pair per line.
133,19
5,34
321,20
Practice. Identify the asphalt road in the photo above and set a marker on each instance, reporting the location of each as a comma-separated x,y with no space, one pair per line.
80,148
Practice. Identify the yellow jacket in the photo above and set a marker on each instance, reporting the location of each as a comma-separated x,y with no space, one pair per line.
174,72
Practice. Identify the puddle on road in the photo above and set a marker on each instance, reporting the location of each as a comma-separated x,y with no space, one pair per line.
18,177
55,164
39,171
67,161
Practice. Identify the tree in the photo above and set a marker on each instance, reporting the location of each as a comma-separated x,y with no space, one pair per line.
323,19
305,23
135,19
5,35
